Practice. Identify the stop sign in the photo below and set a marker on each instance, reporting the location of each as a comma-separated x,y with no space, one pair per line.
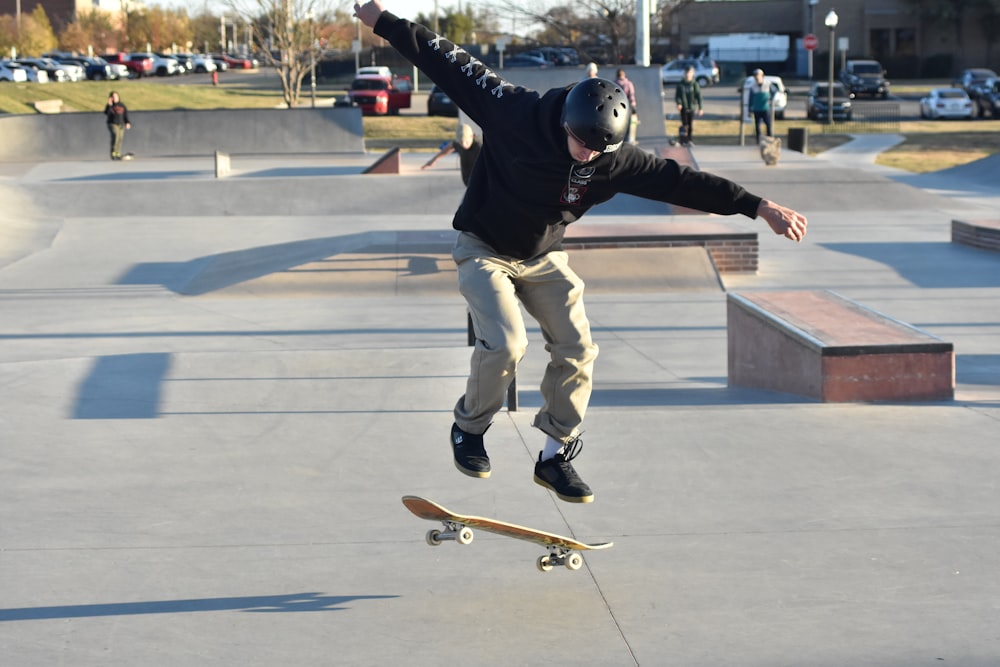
810,42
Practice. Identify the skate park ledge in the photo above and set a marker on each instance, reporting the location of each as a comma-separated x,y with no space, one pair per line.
824,346
983,234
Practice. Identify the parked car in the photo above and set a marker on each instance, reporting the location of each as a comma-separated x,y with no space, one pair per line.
865,77
818,102
439,104
12,72
199,63
94,69
523,60
380,95
233,62
988,99
184,61
972,78
374,70
779,94
34,74
559,56
946,103
139,65
160,65
706,71
56,72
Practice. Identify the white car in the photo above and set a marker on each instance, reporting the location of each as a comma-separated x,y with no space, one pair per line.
706,72
377,71
10,72
779,99
946,103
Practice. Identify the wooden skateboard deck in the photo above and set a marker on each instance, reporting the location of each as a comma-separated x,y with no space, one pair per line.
458,527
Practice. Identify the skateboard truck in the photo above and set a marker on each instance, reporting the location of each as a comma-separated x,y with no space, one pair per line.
559,556
452,531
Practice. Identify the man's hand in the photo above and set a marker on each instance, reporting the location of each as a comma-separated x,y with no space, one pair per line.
782,220
369,12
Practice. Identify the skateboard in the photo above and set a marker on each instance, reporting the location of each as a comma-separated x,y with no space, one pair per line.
128,156
563,551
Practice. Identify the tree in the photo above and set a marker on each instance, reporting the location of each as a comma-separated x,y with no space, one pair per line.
90,29
286,31
35,36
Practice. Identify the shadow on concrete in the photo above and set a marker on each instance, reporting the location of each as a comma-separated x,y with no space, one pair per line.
981,369
302,602
125,386
971,267
297,172
164,175
671,396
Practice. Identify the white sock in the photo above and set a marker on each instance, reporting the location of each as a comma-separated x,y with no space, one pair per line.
552,447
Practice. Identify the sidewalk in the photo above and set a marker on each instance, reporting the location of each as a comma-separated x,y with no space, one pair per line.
216,478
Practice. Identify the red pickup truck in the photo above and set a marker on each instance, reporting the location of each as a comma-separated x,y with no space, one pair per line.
137,66
381,95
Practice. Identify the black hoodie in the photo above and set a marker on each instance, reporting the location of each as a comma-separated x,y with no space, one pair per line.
525,187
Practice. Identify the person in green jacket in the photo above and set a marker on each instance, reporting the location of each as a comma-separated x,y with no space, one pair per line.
759,94
688,96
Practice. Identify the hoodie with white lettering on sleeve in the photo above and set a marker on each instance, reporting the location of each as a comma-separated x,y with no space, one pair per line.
525,187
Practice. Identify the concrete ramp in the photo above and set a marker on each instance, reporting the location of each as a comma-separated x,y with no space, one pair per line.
23,231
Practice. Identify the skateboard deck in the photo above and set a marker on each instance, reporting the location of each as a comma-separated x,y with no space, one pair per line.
458,527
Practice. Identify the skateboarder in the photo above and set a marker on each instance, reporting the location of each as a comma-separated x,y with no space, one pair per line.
547,158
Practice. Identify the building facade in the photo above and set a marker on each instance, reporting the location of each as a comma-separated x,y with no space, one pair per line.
887,30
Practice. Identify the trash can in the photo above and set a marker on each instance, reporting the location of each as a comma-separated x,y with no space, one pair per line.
798,139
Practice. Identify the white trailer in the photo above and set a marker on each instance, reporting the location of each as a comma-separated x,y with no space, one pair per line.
748,47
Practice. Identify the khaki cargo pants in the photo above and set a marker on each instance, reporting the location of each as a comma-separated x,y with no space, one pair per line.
552,294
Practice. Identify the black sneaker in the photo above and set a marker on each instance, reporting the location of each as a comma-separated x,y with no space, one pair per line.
470,454
558,475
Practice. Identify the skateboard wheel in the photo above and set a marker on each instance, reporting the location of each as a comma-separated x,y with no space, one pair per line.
433,538
544,564
465,536
574,561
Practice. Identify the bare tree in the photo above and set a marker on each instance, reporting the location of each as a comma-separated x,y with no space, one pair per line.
587,23
286,31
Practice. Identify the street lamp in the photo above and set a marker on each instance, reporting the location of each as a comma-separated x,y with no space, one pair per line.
831,23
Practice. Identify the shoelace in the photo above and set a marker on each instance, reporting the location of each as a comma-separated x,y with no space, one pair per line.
572,449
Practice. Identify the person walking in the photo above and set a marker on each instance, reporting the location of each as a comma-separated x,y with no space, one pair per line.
466,144
687,95
759,94
629,89
116,114
547,158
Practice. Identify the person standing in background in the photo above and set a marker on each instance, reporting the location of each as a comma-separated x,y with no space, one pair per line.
688,96
117,118
759,94
629,89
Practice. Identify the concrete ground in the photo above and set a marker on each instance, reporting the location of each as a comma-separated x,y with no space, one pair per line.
214,393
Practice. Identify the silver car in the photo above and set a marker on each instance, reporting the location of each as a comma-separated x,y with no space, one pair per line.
706,71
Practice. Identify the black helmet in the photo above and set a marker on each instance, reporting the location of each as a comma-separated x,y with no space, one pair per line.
597,113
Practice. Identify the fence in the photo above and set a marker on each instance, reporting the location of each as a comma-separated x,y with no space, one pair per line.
867,117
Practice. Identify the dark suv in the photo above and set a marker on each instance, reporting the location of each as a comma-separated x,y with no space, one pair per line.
987,98
865,77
